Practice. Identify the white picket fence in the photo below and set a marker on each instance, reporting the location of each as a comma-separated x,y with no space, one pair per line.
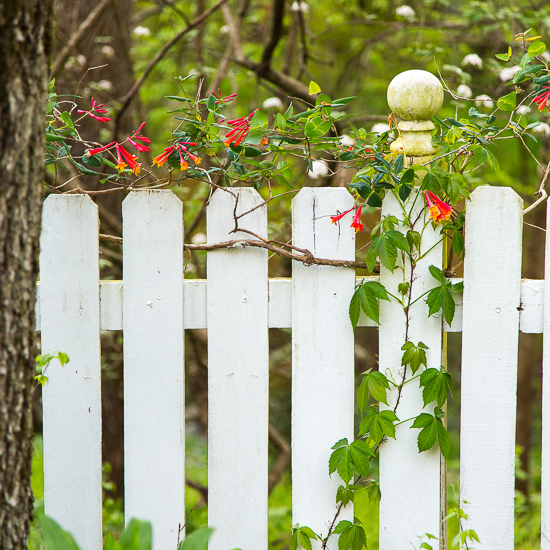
154,305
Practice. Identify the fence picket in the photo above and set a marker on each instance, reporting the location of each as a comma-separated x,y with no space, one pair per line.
154,436
69,295
492,276
545,451
238,375
322,355
409,480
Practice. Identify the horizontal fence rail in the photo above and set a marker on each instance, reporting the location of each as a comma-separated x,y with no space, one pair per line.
153,305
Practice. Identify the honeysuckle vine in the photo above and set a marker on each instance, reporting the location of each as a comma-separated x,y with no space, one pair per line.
267,152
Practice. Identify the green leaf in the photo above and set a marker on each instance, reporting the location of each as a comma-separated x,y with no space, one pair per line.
342,100
432,431
56,538
408,176
436,384
94,161
369,295
196,541
378,424
384,246
83,169
344,495
176,98
437,274
374,200
66,118
314,88
536,48
251,151
492,161
316,127
414,355
281,121
211,102
340,461
361,453
440,298
303,540
398,164
404,192
139,534
373,492
507,102
355,306
363,393
378,385
258,121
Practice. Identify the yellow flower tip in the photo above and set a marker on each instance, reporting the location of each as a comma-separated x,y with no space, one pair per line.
183,166
531,39
199,118
136,169
120,166
264,141
197,160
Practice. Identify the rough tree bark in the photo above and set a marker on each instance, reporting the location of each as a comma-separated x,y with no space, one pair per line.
25,46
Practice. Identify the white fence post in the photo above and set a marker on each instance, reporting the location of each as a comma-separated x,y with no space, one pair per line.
69,308
409,480
238,375
322,356
545,452
154,436
492,276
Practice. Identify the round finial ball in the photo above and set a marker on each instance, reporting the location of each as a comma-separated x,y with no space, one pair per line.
415,95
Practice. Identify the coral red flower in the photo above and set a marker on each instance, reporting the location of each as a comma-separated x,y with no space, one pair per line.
125,158
542,99
439,210
137,136
92,152
356,223
338,217
241,127
223,99
159,160
98,109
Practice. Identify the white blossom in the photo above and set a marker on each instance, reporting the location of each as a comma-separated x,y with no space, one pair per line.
299,6
380,128
405,11
472,59
105,85
318,169
545,55
224,29
272,103
346,140
198,238
542,129
508,73
464,91
142,31
484,100
523,109
108,51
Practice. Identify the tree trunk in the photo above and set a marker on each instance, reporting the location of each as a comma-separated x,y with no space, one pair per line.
25,45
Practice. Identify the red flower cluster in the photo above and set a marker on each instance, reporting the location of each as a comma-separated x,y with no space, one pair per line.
137,135
223,99
98,109
241,127
123,157
439,210
356,223
542,99
159,160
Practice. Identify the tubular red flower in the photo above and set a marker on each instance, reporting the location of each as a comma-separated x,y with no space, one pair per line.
542,99
92,152
124,157
223,99
338,217
356,223
159,160
98,109
137,136
241,127
439,210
